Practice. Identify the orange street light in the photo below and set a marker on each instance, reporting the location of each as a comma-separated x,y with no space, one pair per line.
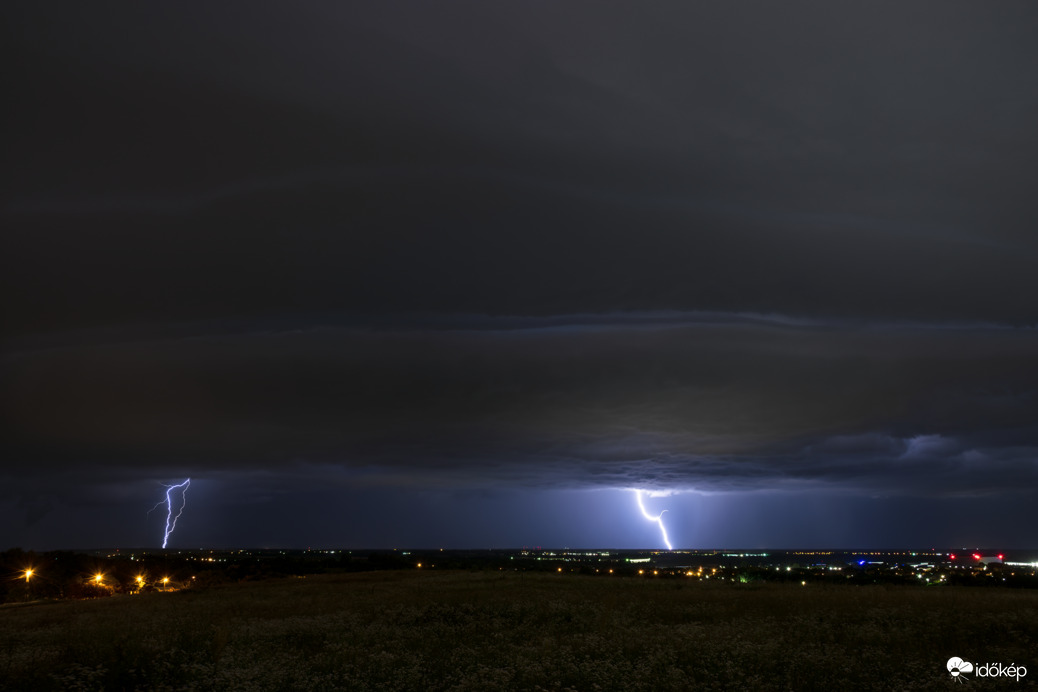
28,573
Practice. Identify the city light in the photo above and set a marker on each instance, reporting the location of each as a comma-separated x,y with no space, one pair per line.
110,578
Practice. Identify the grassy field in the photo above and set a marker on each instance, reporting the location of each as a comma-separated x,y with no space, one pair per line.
506,630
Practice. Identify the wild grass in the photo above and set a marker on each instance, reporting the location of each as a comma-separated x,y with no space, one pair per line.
505,630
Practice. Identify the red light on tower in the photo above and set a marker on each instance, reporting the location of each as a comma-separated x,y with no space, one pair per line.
976,556
953,556
1001,556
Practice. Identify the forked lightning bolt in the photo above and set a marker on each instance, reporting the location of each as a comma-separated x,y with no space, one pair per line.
658,519
171,521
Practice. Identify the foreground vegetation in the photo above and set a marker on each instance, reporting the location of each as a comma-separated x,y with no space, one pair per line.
505,630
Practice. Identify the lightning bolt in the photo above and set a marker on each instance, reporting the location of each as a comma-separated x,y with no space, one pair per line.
171,521
658,519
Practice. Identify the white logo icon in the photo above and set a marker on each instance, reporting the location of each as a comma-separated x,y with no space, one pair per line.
956,666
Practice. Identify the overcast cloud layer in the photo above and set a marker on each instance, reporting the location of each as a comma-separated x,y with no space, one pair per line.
745,249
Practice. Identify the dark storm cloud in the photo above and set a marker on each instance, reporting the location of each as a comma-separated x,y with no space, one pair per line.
460,244
716,246
525,160
666,400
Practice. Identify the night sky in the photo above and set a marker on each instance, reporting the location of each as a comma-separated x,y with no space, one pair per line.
465,274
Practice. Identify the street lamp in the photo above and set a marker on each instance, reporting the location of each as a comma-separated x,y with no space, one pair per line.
28,574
